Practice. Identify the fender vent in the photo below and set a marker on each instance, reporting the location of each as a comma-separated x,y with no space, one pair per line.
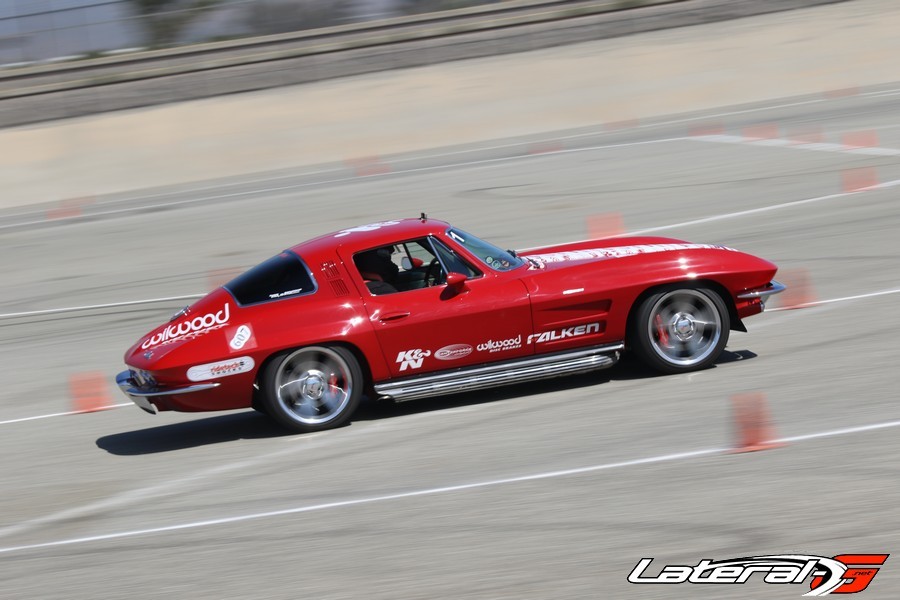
339,287
330,270
333,275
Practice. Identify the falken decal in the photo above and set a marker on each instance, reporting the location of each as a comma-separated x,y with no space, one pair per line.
223,368
561,334
618,252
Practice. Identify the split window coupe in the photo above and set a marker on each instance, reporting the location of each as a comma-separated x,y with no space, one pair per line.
413,308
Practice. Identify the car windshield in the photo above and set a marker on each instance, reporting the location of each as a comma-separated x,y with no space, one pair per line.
489,254
279,277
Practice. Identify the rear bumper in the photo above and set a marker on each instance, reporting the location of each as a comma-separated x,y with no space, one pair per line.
143,395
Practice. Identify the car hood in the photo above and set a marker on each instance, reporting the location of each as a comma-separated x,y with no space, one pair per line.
551,257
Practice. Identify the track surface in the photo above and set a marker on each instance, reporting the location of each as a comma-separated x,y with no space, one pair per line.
119,504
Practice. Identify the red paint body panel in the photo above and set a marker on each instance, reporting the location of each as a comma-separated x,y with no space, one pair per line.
567,296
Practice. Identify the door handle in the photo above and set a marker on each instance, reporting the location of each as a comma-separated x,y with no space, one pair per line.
394,316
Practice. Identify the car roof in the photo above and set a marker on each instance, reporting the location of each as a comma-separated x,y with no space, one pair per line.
371,235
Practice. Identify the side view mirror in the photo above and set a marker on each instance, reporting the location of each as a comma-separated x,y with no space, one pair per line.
408,263
456,281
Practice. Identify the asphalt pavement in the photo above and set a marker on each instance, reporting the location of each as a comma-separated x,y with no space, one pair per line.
550,490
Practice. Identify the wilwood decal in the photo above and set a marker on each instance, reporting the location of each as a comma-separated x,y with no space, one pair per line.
189,328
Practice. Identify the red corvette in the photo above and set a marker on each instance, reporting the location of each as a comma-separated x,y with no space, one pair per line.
413,308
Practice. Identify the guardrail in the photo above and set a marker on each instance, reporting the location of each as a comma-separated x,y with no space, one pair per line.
207,56
45,92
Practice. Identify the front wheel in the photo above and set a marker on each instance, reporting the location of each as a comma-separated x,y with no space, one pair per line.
313,388
681,329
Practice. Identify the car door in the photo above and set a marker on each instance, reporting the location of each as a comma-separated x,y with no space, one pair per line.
435,326
571,309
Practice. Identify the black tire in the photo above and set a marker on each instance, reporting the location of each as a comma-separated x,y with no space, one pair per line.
312,388
680,329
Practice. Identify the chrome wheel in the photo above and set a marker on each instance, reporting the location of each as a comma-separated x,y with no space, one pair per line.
682,329
313,388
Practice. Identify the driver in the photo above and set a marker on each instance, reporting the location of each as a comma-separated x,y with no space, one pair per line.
378,270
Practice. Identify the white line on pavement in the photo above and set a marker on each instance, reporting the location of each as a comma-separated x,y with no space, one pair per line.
680,456
367,500
65,414
833,300
795,145
54,311
762,209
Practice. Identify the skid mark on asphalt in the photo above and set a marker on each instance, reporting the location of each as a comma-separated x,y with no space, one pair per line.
665,458
302,442
165,488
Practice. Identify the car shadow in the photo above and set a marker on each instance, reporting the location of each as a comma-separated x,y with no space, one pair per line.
249,424
218,429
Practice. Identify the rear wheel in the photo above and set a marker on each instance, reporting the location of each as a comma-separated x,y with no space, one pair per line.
313,388
680,329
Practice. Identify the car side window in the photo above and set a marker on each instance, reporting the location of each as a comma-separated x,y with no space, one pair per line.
399,267
410,265
453,262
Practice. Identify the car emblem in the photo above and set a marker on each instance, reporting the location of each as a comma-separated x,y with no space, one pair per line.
148,354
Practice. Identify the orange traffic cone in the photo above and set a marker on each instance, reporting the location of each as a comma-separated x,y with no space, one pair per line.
219,277
753,425
89,392
799,292
704,129
809,134
860,139
367,166
547,147
859,179
761,131
844,92
605,226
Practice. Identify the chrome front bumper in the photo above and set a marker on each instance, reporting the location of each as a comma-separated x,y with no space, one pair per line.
141,395
762,293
